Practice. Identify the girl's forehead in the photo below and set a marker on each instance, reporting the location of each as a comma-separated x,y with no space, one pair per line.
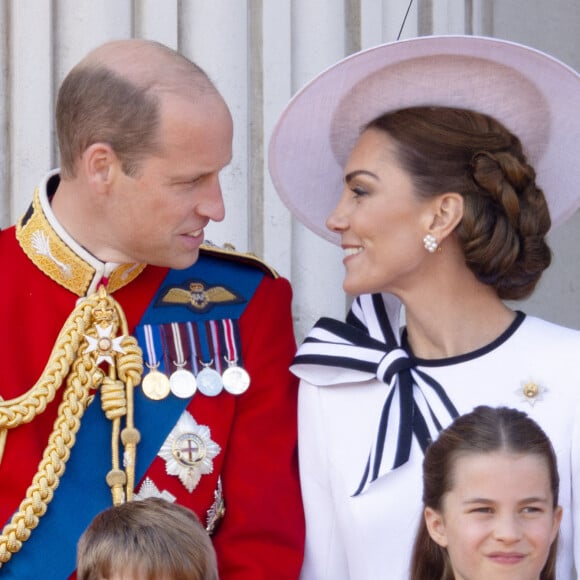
496,470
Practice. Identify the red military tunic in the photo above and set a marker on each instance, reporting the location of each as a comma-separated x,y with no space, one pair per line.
261,535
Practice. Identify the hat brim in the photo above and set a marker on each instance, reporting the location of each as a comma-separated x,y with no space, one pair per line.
534,95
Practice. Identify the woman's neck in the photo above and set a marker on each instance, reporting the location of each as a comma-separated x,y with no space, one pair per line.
456,322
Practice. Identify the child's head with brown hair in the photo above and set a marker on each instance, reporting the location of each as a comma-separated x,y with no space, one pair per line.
151,539
490,495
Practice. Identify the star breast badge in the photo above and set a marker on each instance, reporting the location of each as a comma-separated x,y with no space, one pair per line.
531,392
149,489
189,451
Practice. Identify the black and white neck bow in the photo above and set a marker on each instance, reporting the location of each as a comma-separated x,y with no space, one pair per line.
364,348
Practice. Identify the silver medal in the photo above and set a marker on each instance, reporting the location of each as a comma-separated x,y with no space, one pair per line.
209,382
236,380
183,383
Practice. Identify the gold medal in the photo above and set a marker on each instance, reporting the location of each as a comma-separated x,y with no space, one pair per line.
236,379
155,385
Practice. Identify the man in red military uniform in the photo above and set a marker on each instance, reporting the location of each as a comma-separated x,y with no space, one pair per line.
137,361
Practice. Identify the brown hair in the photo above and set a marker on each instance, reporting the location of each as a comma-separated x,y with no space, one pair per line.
152,537
113,96
484,430
506,216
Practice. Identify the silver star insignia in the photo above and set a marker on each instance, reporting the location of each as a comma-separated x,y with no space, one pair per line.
149,489
104,344
188,451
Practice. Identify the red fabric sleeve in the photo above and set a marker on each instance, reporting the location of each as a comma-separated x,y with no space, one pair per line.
262,535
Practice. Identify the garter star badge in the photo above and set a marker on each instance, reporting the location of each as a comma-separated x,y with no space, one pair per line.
531,392
188,451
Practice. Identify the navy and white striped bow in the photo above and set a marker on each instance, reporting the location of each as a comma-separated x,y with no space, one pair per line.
363,348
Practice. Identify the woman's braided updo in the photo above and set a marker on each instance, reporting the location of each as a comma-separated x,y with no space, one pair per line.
506,217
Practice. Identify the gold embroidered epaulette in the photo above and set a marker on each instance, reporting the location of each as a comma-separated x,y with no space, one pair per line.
228,252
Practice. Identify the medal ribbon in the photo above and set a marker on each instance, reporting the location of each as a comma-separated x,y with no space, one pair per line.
204,344
193,348
363,348
178,347
151,338
192,343
212,330
175,346
231,334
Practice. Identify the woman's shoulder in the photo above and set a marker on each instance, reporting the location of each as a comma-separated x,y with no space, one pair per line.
537,324
550,334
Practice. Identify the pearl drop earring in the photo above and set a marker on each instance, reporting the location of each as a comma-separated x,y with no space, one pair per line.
430,243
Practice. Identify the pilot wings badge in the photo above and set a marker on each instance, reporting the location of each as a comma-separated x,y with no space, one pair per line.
199,298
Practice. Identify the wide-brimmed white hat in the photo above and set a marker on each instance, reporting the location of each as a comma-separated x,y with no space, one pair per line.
533,94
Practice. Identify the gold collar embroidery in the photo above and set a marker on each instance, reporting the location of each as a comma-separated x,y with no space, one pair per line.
63,261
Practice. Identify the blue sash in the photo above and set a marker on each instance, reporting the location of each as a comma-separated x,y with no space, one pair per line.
82,491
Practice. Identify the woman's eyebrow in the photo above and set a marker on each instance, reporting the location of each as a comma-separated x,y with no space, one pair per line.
350,176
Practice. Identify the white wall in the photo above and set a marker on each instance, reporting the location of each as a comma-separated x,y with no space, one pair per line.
259,52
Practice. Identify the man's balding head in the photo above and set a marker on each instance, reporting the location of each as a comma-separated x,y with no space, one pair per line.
114,94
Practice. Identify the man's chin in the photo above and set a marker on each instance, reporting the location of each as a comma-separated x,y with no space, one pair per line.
184,261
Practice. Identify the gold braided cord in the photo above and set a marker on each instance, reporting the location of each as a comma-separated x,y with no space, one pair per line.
126,363
23,409
53,463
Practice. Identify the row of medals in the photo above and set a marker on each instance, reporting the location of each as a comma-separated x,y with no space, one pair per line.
184,384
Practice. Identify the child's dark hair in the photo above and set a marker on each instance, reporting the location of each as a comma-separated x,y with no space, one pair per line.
484,430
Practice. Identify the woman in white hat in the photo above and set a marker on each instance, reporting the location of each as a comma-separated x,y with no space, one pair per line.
428,161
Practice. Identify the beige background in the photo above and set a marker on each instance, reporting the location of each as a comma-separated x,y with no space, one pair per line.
259,52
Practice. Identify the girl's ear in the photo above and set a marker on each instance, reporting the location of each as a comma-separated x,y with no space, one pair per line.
557,520
435,523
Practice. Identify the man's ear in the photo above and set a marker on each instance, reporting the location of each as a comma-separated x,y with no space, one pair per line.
100,163
436,526
446,213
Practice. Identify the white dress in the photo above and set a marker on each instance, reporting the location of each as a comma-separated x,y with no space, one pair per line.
370,537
